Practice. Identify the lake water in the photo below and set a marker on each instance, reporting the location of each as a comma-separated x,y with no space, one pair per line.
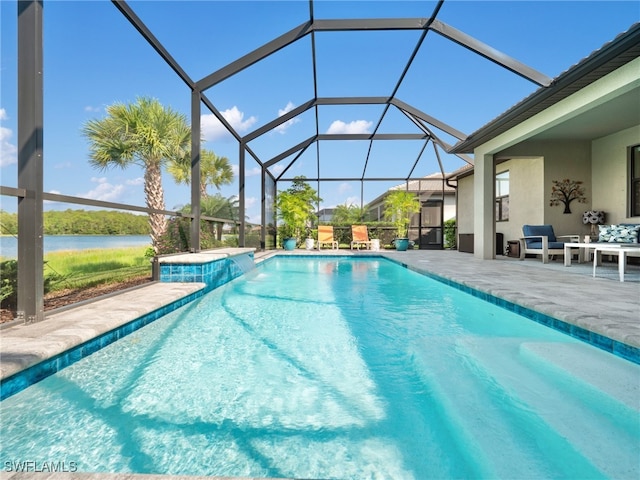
53,243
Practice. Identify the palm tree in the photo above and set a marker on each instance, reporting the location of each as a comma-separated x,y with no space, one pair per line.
143,133
348,214
214,170
218,206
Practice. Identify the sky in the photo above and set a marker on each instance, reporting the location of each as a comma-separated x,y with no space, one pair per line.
93,58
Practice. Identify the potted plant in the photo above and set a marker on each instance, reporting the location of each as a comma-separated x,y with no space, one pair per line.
295,207
312,236
375,240
295,213
398,208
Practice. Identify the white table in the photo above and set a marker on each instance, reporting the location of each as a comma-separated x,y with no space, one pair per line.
621,251
583,251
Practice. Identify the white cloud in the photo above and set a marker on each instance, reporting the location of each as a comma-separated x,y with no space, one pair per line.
51,202
357,126
277,168
135,181
8,151
352,201
250,202
104,190
252,172
212,129
282,128
255,219
59,166
90,108
344,187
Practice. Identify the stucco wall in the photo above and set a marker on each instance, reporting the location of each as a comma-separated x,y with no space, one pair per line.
532,168
526,179
558,160
609,167
449,209
464,215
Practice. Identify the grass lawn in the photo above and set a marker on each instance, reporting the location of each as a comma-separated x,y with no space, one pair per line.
77,269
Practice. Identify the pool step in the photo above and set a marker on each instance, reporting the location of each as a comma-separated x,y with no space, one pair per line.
525,426
584,394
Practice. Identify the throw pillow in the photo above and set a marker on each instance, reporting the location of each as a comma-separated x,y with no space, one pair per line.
618,233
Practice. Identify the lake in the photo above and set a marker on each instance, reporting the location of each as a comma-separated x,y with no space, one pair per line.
53,243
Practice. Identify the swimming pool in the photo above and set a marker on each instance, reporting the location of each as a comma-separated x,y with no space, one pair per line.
335,368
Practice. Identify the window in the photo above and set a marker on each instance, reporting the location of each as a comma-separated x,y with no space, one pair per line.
502,196
634,181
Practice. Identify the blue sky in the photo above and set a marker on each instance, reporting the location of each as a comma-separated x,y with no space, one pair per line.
94,57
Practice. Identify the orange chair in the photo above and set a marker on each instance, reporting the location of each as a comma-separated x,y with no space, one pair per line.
325,236
360,236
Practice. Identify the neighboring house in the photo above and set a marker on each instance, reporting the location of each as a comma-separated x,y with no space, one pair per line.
325,215
584,127
430,189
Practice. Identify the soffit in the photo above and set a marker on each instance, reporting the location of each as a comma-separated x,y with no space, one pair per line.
615,115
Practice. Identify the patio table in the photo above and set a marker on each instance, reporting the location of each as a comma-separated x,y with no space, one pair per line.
583,251
621,251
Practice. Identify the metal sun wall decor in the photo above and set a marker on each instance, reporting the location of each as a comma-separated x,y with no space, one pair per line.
566,191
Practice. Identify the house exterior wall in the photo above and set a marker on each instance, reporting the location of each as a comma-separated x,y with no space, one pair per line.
609,167
449,209
464,220
526,180
533,180
568,159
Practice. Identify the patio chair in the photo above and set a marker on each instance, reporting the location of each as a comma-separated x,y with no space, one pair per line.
360,236
541,240
325,236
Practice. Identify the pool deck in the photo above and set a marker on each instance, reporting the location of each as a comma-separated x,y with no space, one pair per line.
602,304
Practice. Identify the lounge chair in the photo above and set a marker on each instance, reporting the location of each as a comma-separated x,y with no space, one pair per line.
360,236
325,236
541,240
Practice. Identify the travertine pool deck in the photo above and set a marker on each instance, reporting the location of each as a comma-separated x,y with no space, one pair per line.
602,304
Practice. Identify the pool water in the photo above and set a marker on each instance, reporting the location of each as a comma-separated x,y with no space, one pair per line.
333,368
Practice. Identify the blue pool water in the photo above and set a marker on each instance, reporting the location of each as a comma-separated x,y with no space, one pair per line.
333,368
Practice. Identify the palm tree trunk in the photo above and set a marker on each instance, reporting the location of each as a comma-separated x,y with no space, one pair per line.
154,196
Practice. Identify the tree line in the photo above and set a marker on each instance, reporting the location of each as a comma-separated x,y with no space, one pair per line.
82,222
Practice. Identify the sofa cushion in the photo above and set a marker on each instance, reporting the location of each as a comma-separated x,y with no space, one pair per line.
538,245
632,225
536,230
618,233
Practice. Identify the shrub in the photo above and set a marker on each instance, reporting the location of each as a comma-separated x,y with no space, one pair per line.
9,284
177,237
450,236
